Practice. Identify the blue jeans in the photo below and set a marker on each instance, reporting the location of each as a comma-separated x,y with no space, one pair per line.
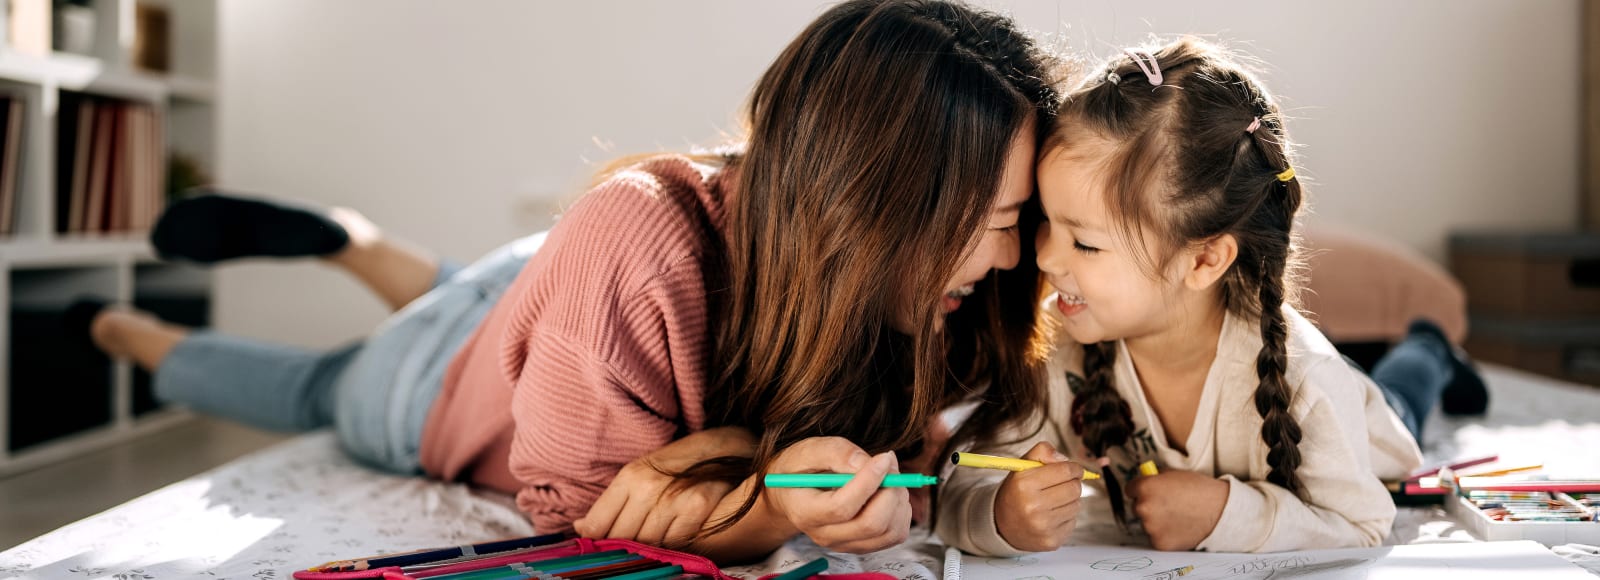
1413,375
375,394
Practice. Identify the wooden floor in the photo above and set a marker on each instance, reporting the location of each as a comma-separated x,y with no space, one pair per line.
35,502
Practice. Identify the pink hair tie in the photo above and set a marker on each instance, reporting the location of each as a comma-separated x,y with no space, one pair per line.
1254,124
1151,71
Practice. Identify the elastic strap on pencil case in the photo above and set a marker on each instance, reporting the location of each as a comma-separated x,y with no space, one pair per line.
703,566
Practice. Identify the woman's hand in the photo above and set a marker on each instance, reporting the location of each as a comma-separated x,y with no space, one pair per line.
857,518
1179,508
1036,510
640,503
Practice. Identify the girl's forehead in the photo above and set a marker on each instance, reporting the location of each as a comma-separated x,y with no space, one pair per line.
1073,193
1070,173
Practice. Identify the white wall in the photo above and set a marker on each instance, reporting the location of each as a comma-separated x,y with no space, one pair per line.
454,123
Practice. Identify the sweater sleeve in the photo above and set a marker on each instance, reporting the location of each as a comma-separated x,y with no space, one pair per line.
586,405
614,365
1346,505
966,502
967,499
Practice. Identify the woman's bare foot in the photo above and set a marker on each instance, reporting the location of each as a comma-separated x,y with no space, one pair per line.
364,235
134,334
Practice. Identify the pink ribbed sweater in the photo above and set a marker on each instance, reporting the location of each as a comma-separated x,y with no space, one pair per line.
597,354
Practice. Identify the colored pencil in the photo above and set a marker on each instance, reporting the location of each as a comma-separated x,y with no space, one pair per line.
437,554
673,570
1506,471
453,561
612,570
1495,484
541,565
586,567
530,571
1452,466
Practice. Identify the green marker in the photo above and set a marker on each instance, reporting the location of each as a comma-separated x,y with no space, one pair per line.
666,572
836,480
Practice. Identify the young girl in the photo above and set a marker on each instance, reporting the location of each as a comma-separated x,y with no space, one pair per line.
850,270
1170,196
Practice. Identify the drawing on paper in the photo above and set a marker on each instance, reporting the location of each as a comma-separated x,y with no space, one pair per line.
1301,567
1008,563
1348,568
1122,564
1268,564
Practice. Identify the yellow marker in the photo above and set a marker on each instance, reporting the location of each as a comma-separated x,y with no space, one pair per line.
1148,468
1006,463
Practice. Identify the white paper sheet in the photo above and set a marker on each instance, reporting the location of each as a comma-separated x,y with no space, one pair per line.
1493,560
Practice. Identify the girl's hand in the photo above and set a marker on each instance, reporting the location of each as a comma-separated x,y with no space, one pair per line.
857,518
638,505
1179,508
1036,510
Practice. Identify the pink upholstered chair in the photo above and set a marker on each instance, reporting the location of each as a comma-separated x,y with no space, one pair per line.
1362,291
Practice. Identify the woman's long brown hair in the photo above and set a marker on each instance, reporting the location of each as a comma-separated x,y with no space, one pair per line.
876,147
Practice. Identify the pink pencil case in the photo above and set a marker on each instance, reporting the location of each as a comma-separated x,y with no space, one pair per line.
692,564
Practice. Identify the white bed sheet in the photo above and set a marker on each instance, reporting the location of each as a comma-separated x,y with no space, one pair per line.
303,502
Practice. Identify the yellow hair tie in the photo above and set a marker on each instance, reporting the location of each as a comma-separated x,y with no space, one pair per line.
1287,175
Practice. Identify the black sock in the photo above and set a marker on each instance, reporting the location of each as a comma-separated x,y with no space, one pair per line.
1465,394
214,227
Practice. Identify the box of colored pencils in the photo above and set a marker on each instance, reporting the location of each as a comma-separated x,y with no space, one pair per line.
1548,517
553,557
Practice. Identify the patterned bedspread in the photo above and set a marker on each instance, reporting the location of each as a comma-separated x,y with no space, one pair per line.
303,502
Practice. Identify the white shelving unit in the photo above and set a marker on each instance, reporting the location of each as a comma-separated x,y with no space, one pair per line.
43,269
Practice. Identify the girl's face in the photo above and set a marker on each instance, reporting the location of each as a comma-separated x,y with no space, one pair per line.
1104,291
996,246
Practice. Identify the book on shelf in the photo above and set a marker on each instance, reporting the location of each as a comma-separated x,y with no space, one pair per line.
99,160
109,168
11,120
151,27
118,190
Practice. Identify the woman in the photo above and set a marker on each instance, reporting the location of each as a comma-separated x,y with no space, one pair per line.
822,292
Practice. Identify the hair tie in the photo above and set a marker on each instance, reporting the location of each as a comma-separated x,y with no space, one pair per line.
1113,78
1287,175
1152,71
1254,124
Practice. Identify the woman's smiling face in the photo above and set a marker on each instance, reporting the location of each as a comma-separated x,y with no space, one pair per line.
997,246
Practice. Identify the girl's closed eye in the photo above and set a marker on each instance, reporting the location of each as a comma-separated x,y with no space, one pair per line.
1006,229
1079,246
